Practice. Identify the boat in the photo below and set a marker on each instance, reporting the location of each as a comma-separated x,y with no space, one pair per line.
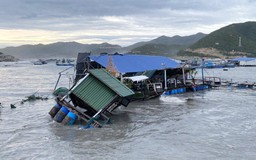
148,76
141,73
65,62
40,62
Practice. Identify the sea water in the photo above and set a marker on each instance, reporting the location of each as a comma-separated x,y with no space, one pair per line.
219,123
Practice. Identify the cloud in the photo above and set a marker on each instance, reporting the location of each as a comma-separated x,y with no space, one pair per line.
119,21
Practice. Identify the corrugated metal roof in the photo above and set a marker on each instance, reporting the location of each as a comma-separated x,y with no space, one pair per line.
113,83
93,92
126,63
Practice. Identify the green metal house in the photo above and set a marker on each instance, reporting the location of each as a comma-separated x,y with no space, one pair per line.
98,92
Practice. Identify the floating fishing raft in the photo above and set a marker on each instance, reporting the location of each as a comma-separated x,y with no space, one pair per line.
92,100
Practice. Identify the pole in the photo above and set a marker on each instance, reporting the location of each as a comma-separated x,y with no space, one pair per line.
183,72
121,77
203,70
165,79
57,82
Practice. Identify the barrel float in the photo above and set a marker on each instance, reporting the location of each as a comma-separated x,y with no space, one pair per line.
69,119
167,93
55,110
61,114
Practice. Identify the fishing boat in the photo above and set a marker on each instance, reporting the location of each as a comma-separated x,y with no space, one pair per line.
40,62
145,75
65,62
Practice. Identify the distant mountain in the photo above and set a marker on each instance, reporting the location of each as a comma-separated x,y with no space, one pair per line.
167,46
158,49
133,46
233,40
58,50
178,40
160,46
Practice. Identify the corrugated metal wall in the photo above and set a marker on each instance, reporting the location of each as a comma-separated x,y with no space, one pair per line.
94,93
113,83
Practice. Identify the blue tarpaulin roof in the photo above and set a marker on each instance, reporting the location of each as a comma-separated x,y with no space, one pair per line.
243,59
125,63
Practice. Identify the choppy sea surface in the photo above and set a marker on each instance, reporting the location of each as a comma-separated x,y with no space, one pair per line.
214,124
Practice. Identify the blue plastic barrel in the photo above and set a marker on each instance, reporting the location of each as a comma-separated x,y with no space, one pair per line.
70,118
55,109
61,114
167,93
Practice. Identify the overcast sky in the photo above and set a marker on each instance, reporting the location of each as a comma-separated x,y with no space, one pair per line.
122,22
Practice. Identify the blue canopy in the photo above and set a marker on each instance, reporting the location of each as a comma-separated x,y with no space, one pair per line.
243,59
125,63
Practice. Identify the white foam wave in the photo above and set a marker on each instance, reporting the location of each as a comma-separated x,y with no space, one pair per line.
170,99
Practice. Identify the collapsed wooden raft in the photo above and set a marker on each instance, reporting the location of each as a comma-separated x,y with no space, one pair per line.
95,96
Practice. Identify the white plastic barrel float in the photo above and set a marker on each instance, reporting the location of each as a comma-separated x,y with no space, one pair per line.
61,114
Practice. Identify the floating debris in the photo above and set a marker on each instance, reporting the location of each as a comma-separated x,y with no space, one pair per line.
60,92
12,106
33,97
